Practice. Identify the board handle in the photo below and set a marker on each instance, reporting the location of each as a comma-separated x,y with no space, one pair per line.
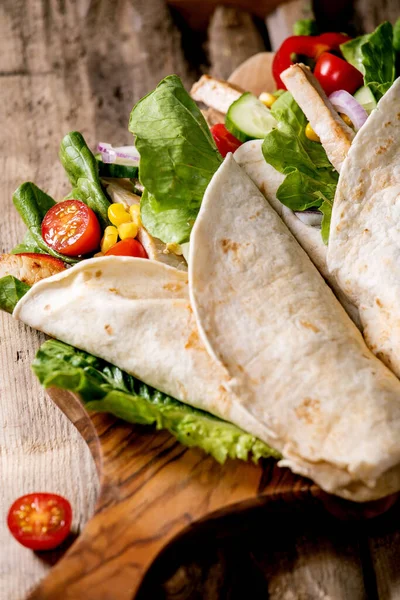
152,489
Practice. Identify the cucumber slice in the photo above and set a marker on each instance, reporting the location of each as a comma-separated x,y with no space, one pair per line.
366,98
116,170
248,118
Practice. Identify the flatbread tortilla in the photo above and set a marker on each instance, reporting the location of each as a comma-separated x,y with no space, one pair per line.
294,357
257,339
250,157
364,241
136,314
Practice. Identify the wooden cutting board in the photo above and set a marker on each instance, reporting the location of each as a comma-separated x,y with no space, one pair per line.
153,489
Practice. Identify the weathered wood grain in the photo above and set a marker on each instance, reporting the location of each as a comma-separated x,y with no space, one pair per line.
233,38
81,64
63,65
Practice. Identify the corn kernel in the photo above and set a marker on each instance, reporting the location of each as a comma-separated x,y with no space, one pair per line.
127,230
310,133
110,238
267,99
346,119
117,214
134,211
173,248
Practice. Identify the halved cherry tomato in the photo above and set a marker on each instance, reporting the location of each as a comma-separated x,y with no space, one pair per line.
225,141
40,521
128,247
334,74
71,228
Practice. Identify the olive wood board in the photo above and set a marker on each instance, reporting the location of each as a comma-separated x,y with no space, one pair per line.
154,490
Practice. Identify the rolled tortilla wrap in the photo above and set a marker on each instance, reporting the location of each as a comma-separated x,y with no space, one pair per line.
364,241
294,357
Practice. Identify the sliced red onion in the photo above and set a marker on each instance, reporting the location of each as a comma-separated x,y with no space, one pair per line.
121,155
313,218
348,105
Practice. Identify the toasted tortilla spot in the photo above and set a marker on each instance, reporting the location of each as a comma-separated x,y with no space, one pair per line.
309,325
379,303
87,276
108,329
98,273
193,341
229,245
47,307
172,287
113,290
308,410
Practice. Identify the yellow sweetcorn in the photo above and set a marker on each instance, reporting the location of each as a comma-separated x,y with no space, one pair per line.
127,230
110,238
310,133
267,99
117,214
173,248
134,211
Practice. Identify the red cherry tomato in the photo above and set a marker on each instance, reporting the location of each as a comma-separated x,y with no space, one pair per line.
40,521
334,74
71,228
225,141
128,247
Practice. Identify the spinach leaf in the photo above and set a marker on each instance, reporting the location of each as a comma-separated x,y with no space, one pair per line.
11,290
82,170
310,177
178,158
28,244
32,204
374,55
105,388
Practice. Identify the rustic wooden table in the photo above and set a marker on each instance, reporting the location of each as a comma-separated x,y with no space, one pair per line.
82,64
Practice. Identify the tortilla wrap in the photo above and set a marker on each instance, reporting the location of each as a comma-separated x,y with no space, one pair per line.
364,241
267,347
295,359
135,314
250,157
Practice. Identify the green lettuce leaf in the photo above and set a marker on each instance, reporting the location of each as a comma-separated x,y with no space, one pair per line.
11,290
310,177
83,173
305,27
326,209
374,55
105,388
173,224
178,158
352,52
32,204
